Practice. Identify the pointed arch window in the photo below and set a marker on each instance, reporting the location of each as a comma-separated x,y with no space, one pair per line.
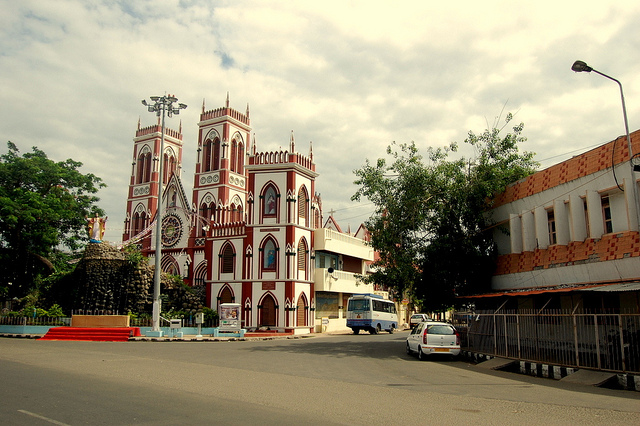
228,256
215,161
143,172
200,274
236,211
269,255
302,204
206,212
270,201
234,155
240,158
302,257
139,222
206,155
211,152
169,166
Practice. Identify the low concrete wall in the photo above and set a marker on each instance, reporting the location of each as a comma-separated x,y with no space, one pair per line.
100,321
25,329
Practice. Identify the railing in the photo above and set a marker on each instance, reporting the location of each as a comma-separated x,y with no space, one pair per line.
66,321
598,341
186,322
42,321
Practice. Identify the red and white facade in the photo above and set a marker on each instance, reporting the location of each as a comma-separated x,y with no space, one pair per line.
247,234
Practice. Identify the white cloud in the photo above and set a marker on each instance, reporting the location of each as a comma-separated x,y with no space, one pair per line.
350,76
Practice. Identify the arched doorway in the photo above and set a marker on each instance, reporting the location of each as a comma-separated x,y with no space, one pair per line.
268,312
225,296
301,311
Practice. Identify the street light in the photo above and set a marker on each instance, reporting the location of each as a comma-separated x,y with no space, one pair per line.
161,106
581,66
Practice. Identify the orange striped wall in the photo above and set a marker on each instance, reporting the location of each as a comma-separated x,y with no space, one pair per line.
609,247
585,164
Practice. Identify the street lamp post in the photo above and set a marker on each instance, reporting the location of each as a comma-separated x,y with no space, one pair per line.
581,66
161,106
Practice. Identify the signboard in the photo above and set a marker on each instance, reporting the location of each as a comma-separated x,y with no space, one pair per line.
230,317
269,285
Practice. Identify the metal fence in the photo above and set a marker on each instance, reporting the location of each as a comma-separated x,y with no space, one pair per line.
40,321
189,321
599,341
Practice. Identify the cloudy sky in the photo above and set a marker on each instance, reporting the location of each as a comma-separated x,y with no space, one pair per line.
351,76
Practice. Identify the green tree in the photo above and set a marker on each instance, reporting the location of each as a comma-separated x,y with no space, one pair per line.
43,205
430,226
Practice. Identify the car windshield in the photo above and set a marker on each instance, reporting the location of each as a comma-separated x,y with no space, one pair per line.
440,329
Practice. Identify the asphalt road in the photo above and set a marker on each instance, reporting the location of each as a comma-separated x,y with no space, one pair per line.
334,379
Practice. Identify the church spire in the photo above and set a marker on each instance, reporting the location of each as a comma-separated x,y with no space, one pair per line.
227,103
138,122
311,150
247,109
203,106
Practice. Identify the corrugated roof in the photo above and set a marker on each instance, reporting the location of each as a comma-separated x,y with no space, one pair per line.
608,287
617,287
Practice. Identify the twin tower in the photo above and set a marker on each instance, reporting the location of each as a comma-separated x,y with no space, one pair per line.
246,233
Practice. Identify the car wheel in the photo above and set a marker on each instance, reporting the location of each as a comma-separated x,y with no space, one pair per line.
408,349
356,330
421,355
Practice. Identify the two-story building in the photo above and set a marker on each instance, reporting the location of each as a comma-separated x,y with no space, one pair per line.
568,235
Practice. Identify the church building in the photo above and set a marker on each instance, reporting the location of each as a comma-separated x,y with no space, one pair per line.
247,233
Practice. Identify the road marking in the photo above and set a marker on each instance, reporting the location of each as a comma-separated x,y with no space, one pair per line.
46,419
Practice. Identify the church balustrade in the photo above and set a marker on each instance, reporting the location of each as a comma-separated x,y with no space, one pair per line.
228,229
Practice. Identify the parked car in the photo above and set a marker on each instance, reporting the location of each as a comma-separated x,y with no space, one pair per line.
433,337
417,319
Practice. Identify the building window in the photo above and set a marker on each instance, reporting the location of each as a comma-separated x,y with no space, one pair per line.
206,214
302,256
270,202
606,214
302,203
552,227
269,256
227,259
326,260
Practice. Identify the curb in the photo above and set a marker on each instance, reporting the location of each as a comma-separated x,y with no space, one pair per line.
548,371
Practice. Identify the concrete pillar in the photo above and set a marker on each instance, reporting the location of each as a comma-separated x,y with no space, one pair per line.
577,221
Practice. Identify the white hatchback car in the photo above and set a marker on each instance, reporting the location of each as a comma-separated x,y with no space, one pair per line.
433,338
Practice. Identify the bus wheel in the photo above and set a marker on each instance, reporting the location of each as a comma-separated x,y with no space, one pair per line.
356,330
391,330
373,330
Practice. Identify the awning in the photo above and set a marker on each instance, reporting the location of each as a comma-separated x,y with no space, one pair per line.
617,287
608,287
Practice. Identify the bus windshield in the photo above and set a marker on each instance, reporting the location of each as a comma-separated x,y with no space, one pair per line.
358,305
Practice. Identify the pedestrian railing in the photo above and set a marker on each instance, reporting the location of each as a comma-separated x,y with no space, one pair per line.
599,341
40,321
